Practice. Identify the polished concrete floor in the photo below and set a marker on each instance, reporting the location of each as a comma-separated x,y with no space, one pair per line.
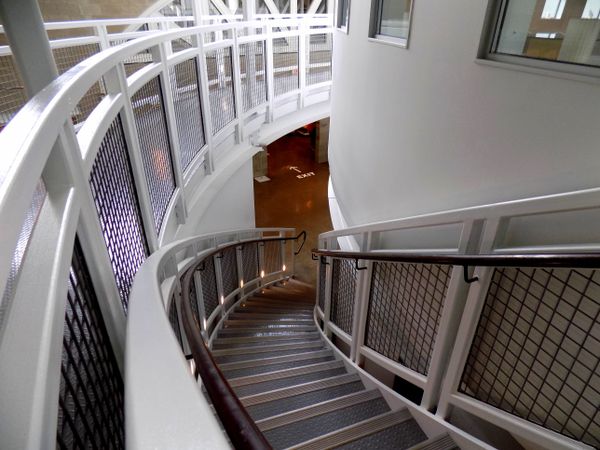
290,201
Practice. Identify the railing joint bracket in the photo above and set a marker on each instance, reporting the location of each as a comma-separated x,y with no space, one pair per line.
466,277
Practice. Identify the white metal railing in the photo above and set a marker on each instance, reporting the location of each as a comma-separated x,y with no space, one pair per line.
536,225
177,415
41,143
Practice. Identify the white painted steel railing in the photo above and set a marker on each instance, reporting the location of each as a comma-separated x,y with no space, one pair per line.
119,181
513,347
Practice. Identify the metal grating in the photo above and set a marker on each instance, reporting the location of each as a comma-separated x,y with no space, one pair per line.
114,193
220,88
69,57
253,73
272,257
135,62
229,270
12,90
174,319
405,307
180,44
153,136
285,65
188,111
250,261
31,215
210,293
535,352
322,281
90,401
318,69
343,288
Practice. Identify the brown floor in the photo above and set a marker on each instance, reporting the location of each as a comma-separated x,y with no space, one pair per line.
287,201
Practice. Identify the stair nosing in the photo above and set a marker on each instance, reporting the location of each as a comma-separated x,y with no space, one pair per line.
299,389
317,409
242,339
271,348
355,431
286,373
275,360
441,442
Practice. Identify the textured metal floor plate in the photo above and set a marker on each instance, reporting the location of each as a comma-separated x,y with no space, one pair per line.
313,427
278,374
260,341
244,391
317,409
275,360
401,436
443,442
356,431
236,373
266,348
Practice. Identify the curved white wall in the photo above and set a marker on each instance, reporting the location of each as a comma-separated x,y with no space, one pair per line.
429,129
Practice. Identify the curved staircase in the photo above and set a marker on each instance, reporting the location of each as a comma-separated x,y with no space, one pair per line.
301,394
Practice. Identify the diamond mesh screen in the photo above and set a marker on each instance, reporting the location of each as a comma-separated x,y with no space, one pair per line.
210,293
12,90
154,144
343,287
536,349
174,320
90,402
318,68
229,271
405,306
220,87
252,67
285,65
250,261
188,112
322,280
115,198
272,257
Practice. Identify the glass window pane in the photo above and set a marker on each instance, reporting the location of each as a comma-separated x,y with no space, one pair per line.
555,30
395,18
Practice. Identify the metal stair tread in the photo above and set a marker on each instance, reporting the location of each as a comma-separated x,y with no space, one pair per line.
441,442
275,360
247,325
290,391
355,431
268,316
269,348
253,341
279,374
317,409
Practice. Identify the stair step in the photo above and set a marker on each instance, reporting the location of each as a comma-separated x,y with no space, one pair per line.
286,393
255,356
317,409
252,341
356,431
269,300
294,361
269,316
442,442
269,323
274,360
279,374
271,385
328,422
248,309
266,348
233,332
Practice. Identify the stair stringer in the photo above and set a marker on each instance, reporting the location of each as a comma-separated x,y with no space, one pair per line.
431,424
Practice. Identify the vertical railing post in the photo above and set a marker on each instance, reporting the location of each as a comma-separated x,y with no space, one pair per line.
236,74
261,261
205,101
302,55
200,303
102,34
328,286
269,73
283,267
160,55
360,300
219,279
239,260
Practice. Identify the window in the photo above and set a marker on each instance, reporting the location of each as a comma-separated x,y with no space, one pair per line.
542,33
343,15
390,20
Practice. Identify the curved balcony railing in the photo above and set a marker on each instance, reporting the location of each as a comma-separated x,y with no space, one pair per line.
490,310
172,112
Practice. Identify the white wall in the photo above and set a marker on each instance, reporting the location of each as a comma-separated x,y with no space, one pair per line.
429,129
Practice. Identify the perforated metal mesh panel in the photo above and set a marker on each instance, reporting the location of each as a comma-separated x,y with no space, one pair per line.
272,257
180,44
153,136
250,261
322,275
188,111
536,349
252,68
405,306
174,320
343,288
69,57
209,287
229,270
134,62
90,403
220,87
12,90
22,242
318,68
285,65
115,198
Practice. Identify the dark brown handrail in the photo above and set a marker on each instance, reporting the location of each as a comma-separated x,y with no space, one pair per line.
241,429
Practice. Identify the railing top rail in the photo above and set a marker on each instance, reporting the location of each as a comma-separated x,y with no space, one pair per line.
570,260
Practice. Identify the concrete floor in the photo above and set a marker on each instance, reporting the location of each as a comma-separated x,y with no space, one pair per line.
289,201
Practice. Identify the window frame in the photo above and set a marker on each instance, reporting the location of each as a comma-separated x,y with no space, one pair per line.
495,16
375,26
339,16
